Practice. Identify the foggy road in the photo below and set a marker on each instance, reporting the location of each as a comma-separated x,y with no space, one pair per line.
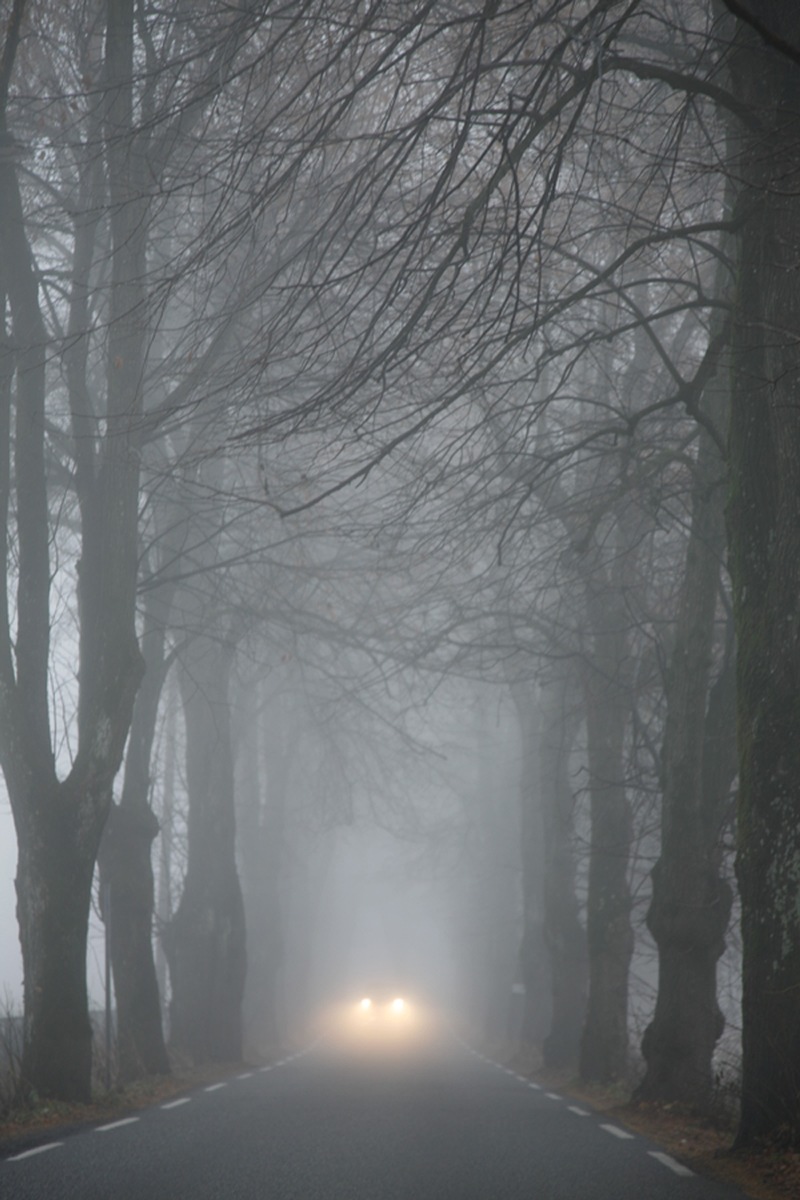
328,1124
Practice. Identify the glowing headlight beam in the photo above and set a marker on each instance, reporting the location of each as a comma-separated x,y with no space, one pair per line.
398,1005
366,1004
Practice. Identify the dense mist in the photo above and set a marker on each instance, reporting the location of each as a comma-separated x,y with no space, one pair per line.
399,444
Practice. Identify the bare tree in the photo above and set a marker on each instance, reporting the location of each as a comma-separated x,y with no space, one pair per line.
763,531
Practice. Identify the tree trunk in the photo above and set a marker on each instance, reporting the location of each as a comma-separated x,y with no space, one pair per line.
59,824
126,868
534,965
691,904
564,934
604,1044
205,941
764,541
54,889
163,910
264,758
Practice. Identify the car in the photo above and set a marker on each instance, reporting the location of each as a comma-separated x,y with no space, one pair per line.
381,1015
380,1018
378,1004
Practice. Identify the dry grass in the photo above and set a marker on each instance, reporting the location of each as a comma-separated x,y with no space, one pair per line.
21,1126
702,1143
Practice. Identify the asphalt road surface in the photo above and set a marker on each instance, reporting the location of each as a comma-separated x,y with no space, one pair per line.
433,1123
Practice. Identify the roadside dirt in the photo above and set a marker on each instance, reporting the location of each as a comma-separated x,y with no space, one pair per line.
23,1125
700,1143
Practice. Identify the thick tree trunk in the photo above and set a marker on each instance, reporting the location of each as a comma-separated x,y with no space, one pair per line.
126,870
604,1044
496,833
54,889
126,867
163,898
58,824
764,540
691,904
205,941
565,936
534,966
553,956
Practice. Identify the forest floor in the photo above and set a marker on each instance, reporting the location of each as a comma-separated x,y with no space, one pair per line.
702,1143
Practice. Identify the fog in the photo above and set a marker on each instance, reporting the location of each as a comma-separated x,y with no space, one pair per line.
399,502
377,884
411,882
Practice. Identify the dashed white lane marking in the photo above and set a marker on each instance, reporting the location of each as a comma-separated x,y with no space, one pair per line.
616,1131
665,1159
35,1150
670,1162
116,1124
213,1087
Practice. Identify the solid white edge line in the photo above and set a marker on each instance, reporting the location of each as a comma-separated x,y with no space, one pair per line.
616,1131
214,1087
579,1112
116,1124
35,1150
177,1103
668,1161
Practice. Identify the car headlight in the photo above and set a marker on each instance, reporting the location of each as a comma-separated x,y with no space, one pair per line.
366,1004
398,1005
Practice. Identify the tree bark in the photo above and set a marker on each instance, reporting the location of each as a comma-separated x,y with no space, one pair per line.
205,941
764,541
126,870
534,965
604,1044
126,867
691,904
553,956
54,883
163,898
565,936
59,823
